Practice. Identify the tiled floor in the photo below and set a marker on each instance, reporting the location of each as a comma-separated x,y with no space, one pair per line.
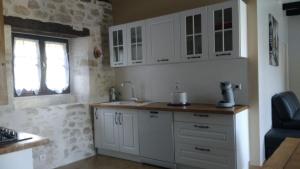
103,162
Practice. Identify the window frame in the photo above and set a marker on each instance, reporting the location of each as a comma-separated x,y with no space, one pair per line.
42,40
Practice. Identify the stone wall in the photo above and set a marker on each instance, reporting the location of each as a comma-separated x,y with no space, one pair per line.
64,119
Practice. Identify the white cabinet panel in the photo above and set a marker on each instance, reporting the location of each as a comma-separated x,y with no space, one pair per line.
194,34
163,38
227,30
97,127
205,134
129,132
118,48
205,157
110,130
136,43
117,130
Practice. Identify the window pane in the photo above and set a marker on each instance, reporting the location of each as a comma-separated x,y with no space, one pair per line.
120,37
116,54
115,38
132,33
219,42
189,25
197,23
133,52
189,45
139,52
27,67
228,18
228,40
57,72
139,34
121,53
198,44
218,20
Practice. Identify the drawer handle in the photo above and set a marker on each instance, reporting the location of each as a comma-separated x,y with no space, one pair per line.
201,127
153,112
153,116
202,149
200,115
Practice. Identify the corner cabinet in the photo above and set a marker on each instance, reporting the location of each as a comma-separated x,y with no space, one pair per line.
194,34
118,50
116,130
227,25
163,39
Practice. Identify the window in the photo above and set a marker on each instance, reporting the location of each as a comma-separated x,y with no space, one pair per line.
40,65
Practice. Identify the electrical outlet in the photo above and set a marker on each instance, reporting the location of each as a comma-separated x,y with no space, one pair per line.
42,157
238,86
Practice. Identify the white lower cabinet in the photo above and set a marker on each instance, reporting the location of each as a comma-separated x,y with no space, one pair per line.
117,131
211,141
202,140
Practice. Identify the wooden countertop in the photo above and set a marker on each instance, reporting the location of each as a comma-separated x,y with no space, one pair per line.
35,141
286,156
161,106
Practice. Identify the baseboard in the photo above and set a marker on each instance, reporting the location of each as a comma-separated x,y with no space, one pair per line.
120,155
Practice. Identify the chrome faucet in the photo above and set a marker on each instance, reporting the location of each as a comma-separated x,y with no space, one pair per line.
123,84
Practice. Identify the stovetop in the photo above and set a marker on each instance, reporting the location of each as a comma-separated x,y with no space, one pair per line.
8,136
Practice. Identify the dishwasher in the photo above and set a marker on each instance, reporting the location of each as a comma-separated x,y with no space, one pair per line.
156,138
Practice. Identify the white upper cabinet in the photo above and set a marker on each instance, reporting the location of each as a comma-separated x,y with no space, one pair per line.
210,32
136,40
227,25
194,34
118,49
163,36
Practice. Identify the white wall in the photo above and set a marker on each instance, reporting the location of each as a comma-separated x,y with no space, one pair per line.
294,54
271,79
200,80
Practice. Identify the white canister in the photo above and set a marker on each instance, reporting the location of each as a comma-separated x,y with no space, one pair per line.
179,98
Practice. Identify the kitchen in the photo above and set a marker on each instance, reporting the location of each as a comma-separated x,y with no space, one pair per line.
124,62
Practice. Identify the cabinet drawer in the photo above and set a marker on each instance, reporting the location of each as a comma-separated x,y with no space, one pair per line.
205,157
208,118
205,134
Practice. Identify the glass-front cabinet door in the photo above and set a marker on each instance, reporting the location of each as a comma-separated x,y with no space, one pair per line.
194,34
136,43
223,26
118,51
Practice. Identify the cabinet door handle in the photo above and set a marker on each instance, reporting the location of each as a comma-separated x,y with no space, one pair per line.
223,54
96,115
201,115
202,149
162,60
201,127
116,114
194,57
120,118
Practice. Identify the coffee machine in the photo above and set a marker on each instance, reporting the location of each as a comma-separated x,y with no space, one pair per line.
227,90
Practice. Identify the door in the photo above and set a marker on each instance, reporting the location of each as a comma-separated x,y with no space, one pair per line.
194,34
223,28
118,50
128,132
136,34
163,37
110,129
98,126
156,135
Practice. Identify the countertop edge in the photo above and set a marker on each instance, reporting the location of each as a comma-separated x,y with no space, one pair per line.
22,145
210,108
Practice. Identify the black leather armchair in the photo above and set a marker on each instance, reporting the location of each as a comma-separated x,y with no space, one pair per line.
285,121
